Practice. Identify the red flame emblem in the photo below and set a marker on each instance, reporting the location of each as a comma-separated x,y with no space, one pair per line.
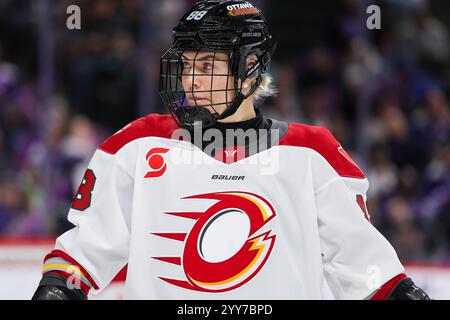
231,272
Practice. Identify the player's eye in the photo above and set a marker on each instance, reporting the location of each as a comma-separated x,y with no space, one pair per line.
186,66
208,66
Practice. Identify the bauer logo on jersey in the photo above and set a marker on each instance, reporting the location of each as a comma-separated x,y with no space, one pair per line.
227,246
156,162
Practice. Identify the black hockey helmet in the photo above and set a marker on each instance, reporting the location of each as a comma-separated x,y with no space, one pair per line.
236,28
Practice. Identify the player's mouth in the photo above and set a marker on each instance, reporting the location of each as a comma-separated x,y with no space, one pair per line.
196,101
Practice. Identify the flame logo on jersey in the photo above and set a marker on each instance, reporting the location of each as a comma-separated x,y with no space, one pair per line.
228,273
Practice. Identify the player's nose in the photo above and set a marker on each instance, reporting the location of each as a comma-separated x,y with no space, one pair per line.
192,82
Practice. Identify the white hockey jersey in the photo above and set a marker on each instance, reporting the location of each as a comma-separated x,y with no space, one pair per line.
272,225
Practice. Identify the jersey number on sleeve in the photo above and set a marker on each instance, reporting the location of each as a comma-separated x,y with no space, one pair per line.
82,199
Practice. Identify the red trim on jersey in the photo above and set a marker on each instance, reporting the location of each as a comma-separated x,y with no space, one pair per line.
321,140
122,275
153,125
387,288
83,286
65,256
362,205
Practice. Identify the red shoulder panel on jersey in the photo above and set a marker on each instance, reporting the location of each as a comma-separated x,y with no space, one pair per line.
321,140
153,125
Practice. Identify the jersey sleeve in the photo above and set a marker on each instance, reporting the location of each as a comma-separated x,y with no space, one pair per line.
357,259
96,248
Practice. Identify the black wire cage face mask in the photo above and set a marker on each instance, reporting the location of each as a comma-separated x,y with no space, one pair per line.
198,86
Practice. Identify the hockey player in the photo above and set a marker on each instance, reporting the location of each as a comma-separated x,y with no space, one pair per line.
193,222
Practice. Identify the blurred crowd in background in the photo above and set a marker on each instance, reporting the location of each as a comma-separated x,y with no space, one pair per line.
383,93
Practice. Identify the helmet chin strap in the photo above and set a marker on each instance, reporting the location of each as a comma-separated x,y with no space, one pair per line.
196,117
239,98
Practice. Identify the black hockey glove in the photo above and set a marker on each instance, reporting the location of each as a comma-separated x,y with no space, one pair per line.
54,287
407,290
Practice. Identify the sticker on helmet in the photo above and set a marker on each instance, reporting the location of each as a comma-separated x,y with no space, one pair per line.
241,9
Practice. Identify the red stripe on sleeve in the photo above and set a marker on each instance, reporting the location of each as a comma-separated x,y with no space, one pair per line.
387,288
65,256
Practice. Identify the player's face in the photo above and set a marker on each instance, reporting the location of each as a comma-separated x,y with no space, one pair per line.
207,80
